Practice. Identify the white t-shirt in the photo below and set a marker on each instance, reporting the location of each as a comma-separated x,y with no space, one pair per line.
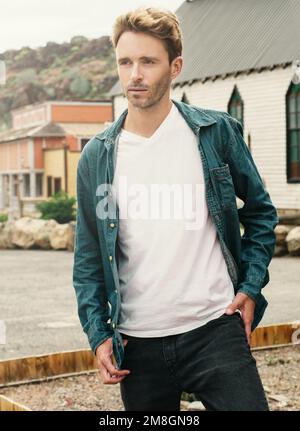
172,278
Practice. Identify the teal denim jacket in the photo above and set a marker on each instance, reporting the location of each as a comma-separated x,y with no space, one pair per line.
229,171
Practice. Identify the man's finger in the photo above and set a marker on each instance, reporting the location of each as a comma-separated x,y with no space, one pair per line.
108,379
106,361
248,330
236,303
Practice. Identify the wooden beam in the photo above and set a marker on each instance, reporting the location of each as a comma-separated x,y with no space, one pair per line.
8,405
53,365
41,366
275,335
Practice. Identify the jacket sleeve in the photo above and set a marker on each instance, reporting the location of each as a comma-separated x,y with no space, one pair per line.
258,215
88,278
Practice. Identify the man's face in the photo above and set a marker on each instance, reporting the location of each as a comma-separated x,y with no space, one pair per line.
144,69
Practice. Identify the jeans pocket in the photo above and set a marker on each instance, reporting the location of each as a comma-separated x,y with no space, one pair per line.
235,314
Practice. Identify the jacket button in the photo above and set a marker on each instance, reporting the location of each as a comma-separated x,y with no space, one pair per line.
110,257
113,324
112,225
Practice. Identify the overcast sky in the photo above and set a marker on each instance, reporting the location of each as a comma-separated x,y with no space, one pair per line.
35,22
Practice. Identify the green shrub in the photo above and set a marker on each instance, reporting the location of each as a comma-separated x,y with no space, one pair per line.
3,217
59,207
80,86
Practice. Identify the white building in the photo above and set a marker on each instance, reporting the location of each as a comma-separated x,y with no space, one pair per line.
241,57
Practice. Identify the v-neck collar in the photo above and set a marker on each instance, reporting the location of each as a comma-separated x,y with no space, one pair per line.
156,134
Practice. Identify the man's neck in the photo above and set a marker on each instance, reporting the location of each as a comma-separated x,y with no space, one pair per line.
145,122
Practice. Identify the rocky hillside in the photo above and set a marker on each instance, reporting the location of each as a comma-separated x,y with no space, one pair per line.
82,69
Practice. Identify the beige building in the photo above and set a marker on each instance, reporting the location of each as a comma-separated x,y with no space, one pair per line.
39,155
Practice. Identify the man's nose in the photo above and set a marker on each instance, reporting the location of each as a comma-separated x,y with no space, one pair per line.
136,73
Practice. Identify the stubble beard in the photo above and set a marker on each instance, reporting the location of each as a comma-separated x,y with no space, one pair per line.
154,96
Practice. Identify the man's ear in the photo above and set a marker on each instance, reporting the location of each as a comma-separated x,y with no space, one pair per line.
176,66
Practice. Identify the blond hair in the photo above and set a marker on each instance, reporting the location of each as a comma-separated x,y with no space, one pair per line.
160,23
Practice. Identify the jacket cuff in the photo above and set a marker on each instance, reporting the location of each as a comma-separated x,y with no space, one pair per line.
95,344
249,290
260,303
98,332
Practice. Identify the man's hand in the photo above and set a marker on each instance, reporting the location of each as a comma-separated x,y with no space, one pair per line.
110,375
246,305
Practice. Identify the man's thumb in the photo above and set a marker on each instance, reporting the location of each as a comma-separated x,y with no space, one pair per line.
125,342
231,308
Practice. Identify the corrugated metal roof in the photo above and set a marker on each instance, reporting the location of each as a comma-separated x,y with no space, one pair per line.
49,130
13,134
222,37
44,130
53,130
83,129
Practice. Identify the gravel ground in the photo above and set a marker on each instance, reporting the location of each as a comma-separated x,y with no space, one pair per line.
38,302
279,369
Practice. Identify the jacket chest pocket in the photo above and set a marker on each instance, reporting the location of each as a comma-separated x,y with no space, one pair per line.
223,185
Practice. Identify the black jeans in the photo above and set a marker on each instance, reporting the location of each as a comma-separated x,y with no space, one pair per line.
213,361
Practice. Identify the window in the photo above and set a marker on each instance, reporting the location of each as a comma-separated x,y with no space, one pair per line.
83,142
49,186
184,99
15,181
293,133
6,189
236,106
39,184
26,185
57,184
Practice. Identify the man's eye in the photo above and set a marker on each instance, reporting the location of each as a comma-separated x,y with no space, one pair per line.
144,61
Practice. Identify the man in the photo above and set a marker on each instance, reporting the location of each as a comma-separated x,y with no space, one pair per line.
169,306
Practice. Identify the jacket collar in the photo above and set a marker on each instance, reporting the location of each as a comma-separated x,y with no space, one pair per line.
194,116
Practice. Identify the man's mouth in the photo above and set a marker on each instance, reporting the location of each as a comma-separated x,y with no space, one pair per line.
136,89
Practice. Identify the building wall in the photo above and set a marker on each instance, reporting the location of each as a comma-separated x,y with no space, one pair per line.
73,143
14,155
120,104
81,113
60,112
29,116
17,164
53,143
54,166
23,161
263,95
73,158
38,153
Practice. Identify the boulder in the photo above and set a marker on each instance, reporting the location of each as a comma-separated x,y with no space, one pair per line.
280,250
293,241
281,231
60,236
43,235
71,235
28,232
25,230
6,229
